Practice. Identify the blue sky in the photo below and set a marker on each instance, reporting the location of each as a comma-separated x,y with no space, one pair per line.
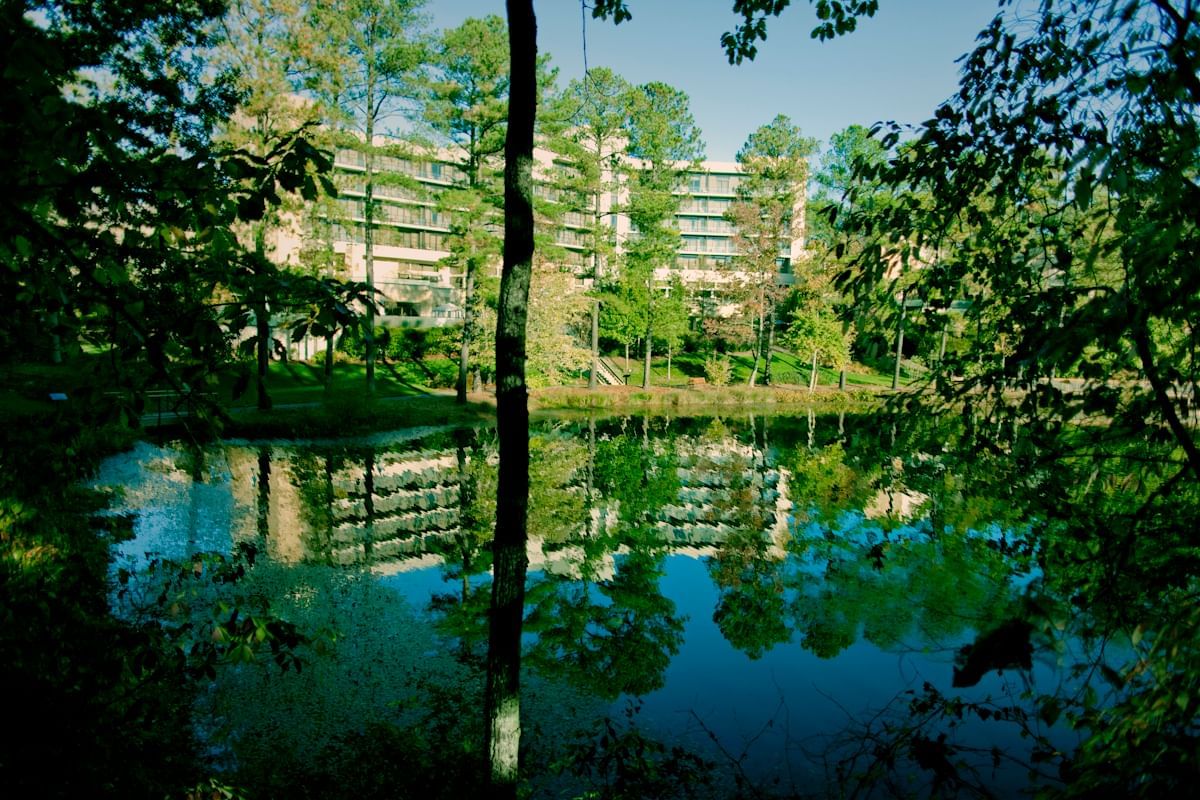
896,66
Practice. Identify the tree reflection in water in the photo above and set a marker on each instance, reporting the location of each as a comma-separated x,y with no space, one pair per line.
817,536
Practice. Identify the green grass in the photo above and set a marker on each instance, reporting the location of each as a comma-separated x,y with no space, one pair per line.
298,382
303,408
786,370
25,388
676,400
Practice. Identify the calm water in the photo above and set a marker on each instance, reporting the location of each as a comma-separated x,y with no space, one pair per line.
763,591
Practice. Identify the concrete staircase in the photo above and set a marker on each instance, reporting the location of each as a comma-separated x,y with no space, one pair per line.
608,373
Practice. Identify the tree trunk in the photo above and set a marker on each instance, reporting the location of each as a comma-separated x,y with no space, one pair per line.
1144,346
262,320
262,332
900,341
769,348
262,323
753,379
464,350
668,365
502,699
369,236
328,376
595,342
812,373
55,339
646,363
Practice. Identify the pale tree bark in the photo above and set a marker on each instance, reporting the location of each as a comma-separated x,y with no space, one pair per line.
369,234
753,379
502,698
464,347
900,340
262,332
595,344
649,353
262,321
770,345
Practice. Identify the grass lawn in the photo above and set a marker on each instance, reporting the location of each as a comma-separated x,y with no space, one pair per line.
397,402
786,370
299,382
25,388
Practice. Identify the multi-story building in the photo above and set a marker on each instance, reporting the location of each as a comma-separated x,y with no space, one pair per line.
410,243
706,258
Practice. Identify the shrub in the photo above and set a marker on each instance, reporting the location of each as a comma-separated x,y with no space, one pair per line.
351,342
718,370
443,341
441,374
407,344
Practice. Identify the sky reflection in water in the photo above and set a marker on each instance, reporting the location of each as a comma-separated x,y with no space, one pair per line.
685,535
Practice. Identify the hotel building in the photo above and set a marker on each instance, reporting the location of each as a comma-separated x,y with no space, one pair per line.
411,235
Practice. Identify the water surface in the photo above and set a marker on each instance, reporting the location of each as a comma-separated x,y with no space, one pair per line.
770,593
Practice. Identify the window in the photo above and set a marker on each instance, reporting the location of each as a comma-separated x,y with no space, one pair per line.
694,183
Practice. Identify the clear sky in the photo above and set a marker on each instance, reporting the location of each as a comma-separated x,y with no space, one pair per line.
897,66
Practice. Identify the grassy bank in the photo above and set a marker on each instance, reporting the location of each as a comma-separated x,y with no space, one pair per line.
301,382
304,408
787,370
697,399
357,416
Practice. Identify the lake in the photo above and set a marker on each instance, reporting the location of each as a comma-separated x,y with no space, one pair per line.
783,598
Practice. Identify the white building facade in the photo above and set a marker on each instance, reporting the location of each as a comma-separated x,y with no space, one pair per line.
411,235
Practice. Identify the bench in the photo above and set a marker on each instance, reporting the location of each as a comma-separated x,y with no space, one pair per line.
696,382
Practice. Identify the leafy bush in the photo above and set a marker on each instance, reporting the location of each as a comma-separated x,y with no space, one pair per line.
351,343
407,344
440,373
443,342
718,370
